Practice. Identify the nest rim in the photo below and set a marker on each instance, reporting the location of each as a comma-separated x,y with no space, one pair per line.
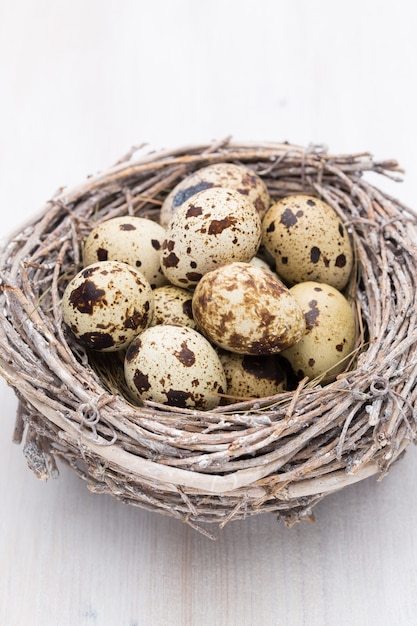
279,454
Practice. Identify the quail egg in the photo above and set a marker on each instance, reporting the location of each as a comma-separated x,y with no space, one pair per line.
107,304
227,175
308,241
252,376
173,305
213,227
174,365
258,261
325,348
129,239
246,309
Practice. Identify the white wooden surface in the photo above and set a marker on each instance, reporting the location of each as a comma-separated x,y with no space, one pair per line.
81,82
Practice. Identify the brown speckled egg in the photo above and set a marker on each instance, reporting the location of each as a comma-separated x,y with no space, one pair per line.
308,241
128,239
107,304
248,310
173,305
252,376
331,333
213,227
227,175
174,365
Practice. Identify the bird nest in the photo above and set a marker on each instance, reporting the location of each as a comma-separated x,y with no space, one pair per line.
279,454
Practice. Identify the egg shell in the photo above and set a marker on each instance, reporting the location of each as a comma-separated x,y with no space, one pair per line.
307,241
128,239
213,227
252,376
107,304
331,332
248,310
174,365
259,262
173,305
227,175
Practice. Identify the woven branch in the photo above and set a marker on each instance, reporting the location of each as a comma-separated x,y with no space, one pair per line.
280,454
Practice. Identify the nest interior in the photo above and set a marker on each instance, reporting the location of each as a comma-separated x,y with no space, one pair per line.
281,454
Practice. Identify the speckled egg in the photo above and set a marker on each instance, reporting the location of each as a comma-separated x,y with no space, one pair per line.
307,241
174,365
252,376
227,175
107,304
330,338
248,310
128,239
213,227
173,305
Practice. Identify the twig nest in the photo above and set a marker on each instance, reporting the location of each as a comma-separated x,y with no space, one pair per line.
215,461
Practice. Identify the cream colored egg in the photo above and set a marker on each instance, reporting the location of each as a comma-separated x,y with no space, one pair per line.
107,304
252,376
331,334
174,365
128,239
213,227
307,241
248,310
173,305
259,262
227,175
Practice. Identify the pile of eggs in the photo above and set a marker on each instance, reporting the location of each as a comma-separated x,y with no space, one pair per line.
229,297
